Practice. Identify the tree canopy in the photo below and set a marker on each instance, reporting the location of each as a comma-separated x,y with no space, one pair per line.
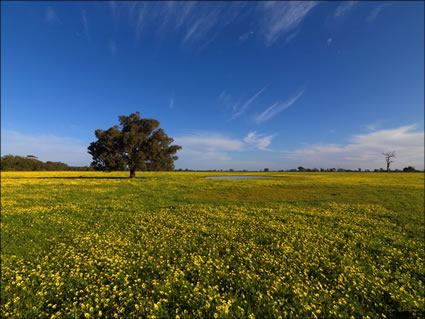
136,144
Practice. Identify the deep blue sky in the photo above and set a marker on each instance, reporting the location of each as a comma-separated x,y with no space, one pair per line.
238,85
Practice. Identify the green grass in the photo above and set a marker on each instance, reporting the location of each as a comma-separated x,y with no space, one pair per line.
306,245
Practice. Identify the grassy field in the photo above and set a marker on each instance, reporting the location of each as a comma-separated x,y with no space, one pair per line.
177,245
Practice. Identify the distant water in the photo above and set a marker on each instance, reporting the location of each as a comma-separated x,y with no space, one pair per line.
235,177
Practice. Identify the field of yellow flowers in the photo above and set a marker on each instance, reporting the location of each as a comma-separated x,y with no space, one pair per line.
178,245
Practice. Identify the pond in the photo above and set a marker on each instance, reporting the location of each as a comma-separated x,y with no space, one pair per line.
235,177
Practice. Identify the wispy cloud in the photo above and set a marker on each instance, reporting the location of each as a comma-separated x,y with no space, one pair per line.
45,147
259,141
329,41
51,16
245,36
375,12
85,23
190,21
243,108
282,17
224,97
140,20
276,108
365,150
373,126
291,36
184,12
344,8
192,31
206,20
171,104
199,23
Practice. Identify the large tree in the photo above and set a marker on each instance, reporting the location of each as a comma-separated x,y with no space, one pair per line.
137,144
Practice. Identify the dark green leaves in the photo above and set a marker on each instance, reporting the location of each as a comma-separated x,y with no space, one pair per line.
138,144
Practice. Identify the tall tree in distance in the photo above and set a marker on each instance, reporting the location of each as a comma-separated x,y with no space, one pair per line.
388,157
137,144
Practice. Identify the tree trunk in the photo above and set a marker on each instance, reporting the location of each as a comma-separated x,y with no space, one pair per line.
388,167
132,173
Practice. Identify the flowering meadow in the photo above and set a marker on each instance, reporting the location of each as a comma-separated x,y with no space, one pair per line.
178,245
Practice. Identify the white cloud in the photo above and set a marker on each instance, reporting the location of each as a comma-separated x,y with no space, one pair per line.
276,108
375,12
209,142
282,17
365,150
45,147
258,140
51,16
344,8
241,110
171,103
329,41
195,159
206,150
214,151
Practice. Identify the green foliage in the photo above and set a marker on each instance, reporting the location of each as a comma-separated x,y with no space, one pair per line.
31,163
138,144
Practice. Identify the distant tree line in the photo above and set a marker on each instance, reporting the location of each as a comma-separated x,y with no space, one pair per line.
389,156
302,169
32,163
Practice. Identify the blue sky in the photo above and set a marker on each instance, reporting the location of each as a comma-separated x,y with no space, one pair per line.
242,85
